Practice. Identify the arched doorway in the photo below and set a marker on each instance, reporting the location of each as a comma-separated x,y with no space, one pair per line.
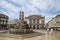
34,27
37,26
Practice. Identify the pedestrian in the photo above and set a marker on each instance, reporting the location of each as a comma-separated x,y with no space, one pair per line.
47,31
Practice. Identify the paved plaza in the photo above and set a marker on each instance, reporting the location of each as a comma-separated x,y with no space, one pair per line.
38,35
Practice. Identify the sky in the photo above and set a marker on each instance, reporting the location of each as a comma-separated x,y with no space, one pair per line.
47,8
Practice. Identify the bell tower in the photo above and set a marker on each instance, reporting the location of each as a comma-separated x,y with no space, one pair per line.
21,15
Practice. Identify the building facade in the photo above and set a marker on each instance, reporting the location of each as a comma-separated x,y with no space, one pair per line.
54,23
18,24
32,21
35,21
13,23
3,21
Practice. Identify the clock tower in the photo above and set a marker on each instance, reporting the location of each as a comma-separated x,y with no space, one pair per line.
21,15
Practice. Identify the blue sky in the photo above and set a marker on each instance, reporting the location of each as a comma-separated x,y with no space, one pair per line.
47,8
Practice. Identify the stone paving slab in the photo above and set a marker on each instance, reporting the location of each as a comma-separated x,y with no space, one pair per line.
50,36
44,37
23,35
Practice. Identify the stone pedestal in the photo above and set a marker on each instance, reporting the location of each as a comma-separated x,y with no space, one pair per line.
23,28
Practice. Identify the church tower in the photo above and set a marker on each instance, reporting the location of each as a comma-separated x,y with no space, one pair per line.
21,15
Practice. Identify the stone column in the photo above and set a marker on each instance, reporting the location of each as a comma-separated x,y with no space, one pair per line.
32,26
39,21
27,21
39,26
35,21
35,26
43,20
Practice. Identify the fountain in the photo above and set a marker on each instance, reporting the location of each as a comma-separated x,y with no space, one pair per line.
23,26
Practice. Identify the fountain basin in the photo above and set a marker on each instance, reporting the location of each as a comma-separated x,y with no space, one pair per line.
21,31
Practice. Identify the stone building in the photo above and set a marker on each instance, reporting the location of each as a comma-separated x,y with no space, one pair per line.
54,23
13,23
32,21
3,21
18,24
35,21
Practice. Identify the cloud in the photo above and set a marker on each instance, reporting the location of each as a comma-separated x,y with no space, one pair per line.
9,6
47,8
9,13
9,9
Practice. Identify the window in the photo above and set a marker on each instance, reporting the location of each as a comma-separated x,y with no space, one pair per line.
42,21
2,15
30,21
2,19
4,22
34,21
57,22
37,21
1,22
